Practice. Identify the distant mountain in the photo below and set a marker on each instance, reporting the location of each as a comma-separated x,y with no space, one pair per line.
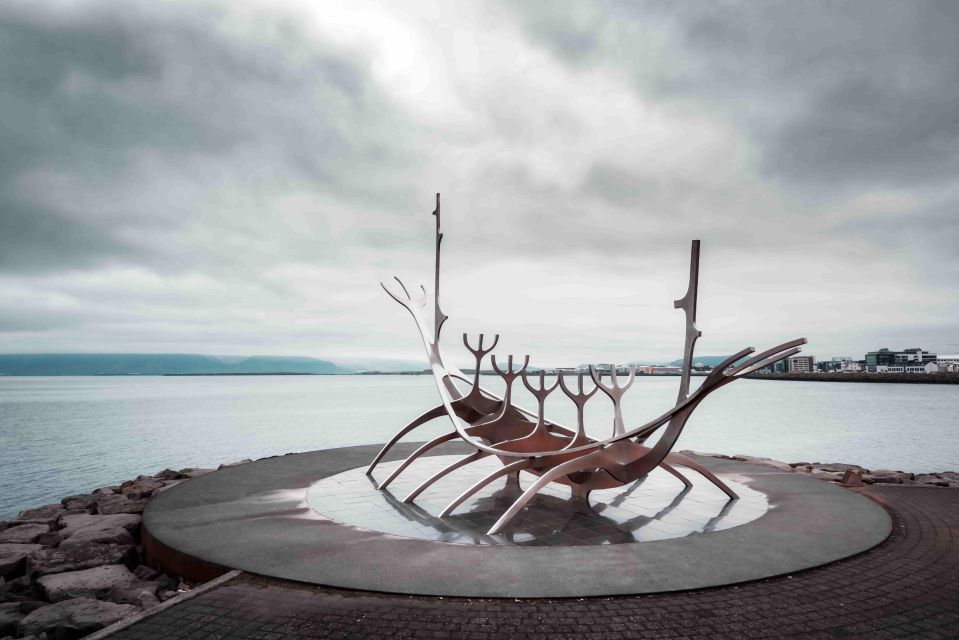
385,365
118,364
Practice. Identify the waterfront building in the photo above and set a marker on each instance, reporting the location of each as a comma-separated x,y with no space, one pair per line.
881,361
801,364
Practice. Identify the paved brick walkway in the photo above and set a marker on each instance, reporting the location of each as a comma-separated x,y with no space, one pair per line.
908,587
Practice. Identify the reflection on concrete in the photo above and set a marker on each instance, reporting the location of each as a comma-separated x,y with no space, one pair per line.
656,507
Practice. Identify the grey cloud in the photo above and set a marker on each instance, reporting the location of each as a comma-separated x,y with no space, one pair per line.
88,91
928,237
836,95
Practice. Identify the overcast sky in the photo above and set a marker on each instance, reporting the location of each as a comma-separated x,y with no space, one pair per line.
236,178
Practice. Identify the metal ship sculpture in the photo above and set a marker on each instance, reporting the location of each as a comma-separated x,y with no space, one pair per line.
525,440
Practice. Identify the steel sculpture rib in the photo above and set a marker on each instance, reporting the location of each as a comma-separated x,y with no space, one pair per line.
527,441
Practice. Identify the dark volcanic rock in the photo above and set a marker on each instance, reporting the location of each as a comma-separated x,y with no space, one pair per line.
142,487
193,472
932,478
72,619
51,539
169,474
19,590
13,558
23,533
852,478
10,616
138,592
116,503
144,572
88,583
47,515
107,529
48,561
85,501
837,467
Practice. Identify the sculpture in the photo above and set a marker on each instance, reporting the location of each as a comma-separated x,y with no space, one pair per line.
528,441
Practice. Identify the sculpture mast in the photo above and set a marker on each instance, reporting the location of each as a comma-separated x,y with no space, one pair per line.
438,316
688,304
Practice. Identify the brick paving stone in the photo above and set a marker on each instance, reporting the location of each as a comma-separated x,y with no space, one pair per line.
907,587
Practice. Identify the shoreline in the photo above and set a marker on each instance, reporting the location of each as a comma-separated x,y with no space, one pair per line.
882,378
83,559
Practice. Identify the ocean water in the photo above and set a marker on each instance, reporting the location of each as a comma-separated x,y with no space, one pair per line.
67,435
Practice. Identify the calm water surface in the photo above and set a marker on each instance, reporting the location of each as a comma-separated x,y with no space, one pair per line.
60,436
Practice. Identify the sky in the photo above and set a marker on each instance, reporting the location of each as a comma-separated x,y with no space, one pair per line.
237,178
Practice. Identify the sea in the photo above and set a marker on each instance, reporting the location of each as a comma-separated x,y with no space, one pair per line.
67,435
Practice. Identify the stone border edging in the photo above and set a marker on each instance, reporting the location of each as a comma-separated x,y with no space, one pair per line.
152,611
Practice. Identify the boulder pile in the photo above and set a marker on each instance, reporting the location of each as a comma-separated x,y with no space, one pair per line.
848,474
69,569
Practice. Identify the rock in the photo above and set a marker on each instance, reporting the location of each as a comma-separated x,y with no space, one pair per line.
148,601
169,474
135,592
166,594
10,617
167,583
51,539
838,467
695,453
194,472
21,589
49,561
113,504
951,476
4,525
167,485
106,491
13,559
75,618
852,478
799,464
29,606
889,473
142,487
144,572
829,476
107,529
886,479
24,533
766,462
47,515
88,583
932,478
85,501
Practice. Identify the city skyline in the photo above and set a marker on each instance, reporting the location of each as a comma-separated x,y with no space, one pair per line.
221,179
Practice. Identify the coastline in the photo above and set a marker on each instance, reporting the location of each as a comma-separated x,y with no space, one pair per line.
82,559
882,378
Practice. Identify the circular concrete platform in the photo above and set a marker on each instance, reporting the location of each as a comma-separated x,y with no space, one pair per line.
258,517
657,507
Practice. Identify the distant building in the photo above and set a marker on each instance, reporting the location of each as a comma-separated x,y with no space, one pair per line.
881,361
854,366
801,364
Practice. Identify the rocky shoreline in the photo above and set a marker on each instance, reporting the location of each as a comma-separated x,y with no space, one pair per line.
851,475
71,568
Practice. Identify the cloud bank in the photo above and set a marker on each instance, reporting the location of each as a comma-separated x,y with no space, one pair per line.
221,178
